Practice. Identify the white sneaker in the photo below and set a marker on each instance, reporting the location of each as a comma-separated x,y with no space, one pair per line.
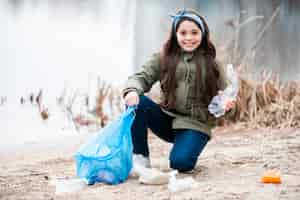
139,162
139,159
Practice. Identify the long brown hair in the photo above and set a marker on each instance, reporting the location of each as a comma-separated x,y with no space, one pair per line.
170,58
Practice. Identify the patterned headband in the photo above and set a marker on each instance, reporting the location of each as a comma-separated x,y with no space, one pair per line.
184,14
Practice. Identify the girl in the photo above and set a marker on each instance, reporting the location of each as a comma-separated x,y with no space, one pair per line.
189,77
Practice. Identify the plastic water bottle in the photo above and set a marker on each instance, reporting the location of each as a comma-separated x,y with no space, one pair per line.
217,105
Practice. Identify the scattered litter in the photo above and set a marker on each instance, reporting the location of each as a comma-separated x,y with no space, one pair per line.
178,185
68,185
151,176
271,176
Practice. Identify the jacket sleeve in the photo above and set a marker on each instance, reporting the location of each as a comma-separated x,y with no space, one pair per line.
143,80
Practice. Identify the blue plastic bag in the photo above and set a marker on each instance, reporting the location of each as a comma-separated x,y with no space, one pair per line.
107,156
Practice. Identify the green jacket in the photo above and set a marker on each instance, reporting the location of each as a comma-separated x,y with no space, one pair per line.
187,115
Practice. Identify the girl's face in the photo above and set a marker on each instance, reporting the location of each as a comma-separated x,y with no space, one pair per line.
189,36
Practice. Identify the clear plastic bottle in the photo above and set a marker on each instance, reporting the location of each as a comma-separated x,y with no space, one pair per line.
217,105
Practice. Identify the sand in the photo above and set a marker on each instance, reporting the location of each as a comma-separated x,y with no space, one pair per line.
229,168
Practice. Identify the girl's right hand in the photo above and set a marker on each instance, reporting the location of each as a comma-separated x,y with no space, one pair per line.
131,98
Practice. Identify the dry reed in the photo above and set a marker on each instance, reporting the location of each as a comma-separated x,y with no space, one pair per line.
268,102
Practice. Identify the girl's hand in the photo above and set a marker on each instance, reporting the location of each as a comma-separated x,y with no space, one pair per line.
229,104
131,98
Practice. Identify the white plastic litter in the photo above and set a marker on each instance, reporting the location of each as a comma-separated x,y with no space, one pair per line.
68,185
217,105
178,185
152,176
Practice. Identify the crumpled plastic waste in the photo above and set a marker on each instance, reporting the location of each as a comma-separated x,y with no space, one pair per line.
68,185
179,185
151,176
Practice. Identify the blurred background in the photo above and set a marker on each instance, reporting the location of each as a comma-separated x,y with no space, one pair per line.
54,44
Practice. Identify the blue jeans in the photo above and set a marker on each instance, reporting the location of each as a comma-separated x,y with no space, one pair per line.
188,144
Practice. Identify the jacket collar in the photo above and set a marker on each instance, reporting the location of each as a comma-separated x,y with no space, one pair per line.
187,56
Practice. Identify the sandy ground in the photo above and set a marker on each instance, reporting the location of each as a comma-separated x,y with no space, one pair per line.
230,168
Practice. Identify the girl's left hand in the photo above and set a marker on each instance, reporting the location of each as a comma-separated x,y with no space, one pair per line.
229,104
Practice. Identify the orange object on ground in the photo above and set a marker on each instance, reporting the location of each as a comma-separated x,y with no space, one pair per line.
271,176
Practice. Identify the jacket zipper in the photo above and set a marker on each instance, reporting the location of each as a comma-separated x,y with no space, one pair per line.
186,79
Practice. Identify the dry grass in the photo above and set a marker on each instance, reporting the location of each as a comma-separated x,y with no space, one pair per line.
103,91
268,102
107,92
